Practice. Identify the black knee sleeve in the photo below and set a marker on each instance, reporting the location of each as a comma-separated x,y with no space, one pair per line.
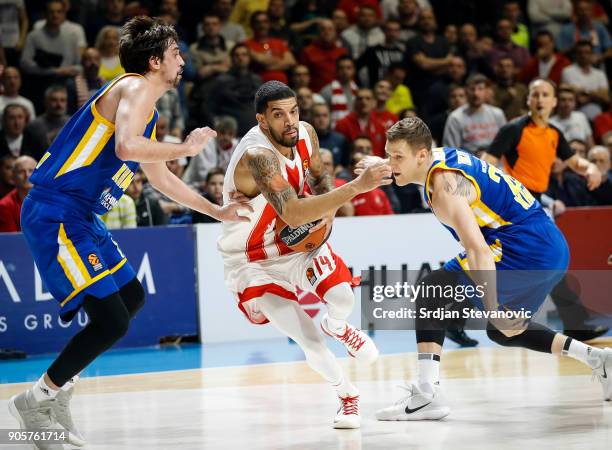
536,337
133,296
430,329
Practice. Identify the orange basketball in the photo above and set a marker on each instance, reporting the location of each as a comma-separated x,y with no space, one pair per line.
300,239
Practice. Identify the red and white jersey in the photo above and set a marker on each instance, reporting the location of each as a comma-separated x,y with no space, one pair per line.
256,240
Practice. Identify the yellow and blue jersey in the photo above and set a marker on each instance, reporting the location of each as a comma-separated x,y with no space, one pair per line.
81,163
522,238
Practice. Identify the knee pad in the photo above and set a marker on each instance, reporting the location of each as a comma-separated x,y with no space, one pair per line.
133,296
536,337
108,315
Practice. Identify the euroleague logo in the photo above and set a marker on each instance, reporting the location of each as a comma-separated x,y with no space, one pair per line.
94,261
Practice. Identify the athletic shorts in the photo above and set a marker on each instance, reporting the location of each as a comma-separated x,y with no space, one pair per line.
317,271
530,259
73,251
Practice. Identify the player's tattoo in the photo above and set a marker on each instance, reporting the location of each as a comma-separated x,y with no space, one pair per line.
318,179
461,187
321,184
269,179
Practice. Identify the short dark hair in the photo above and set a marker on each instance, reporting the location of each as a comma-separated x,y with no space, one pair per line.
545,33
142,38
214,171
254,16
583,43
343,58
477,78
236,47
270,91
11,106
412,130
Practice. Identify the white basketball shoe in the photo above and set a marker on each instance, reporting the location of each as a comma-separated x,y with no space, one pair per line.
423,402
604,373
348,413
357,343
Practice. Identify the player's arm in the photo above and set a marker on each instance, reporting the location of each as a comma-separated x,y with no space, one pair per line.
294,211
318,179
173,187
130,121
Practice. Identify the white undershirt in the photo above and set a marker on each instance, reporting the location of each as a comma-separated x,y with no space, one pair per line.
15,145
545,67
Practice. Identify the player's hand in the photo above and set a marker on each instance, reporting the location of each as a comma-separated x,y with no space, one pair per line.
378,174
237,196
593,177
366,162
233,212
326,221
558,208
197,139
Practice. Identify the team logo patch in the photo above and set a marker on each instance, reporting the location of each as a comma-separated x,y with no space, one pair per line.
306,164
94,261
310,274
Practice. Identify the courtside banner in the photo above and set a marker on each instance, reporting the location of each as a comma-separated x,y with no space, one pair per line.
164,261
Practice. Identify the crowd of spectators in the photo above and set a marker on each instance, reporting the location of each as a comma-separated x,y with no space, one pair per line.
357,66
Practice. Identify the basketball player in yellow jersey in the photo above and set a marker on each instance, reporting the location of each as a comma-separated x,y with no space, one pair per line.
85,172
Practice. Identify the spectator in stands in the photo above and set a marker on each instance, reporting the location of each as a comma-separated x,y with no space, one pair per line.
457,97
210,54
216,153
401,97
113,13
213,191
11,82
54,117
10,204
549,14
584,28
573,124
372,203
603,123
451,33
169,105
148,210
520,32
67,25
161,132
51,53
473,51
14,26
300,77
271,57
243,12
546,62
437,97
428,57
382,93
566,187
529,147
509,95
353,8
305,103
232,93
322,54
600,156
365,33
328,164
362,121
7,184
231,31
123,214
340,93
606,140
408,12
107,43
279,28
579,147
83,86
505,48
377,58
15,138
340,20
328,138
590,83
473,126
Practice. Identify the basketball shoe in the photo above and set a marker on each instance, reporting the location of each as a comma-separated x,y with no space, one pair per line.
603,372
423,402
60,409
357,343
348,413
34,416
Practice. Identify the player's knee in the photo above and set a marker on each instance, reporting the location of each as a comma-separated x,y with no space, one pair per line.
500,338
340,299
133,296
108,315
430,298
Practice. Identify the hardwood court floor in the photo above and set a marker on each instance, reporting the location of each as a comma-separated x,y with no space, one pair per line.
500,398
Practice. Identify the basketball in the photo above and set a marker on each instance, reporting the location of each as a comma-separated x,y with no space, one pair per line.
300,239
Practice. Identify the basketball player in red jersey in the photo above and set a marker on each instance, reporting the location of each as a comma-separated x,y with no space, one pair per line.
274,163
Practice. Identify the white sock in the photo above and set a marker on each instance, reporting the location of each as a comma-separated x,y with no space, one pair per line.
582,352
345,387
428,368
42,391
70,383
338,326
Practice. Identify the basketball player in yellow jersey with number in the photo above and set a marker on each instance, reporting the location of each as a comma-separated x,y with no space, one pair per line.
85,172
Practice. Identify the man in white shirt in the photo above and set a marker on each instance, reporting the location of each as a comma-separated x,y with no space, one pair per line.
365,33
573,124
11,80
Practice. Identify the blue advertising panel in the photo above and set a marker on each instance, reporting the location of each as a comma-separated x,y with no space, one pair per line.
163,258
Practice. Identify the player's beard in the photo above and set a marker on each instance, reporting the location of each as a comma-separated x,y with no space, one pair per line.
283,139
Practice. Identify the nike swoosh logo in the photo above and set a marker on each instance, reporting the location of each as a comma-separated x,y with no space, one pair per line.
410,411
605,375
